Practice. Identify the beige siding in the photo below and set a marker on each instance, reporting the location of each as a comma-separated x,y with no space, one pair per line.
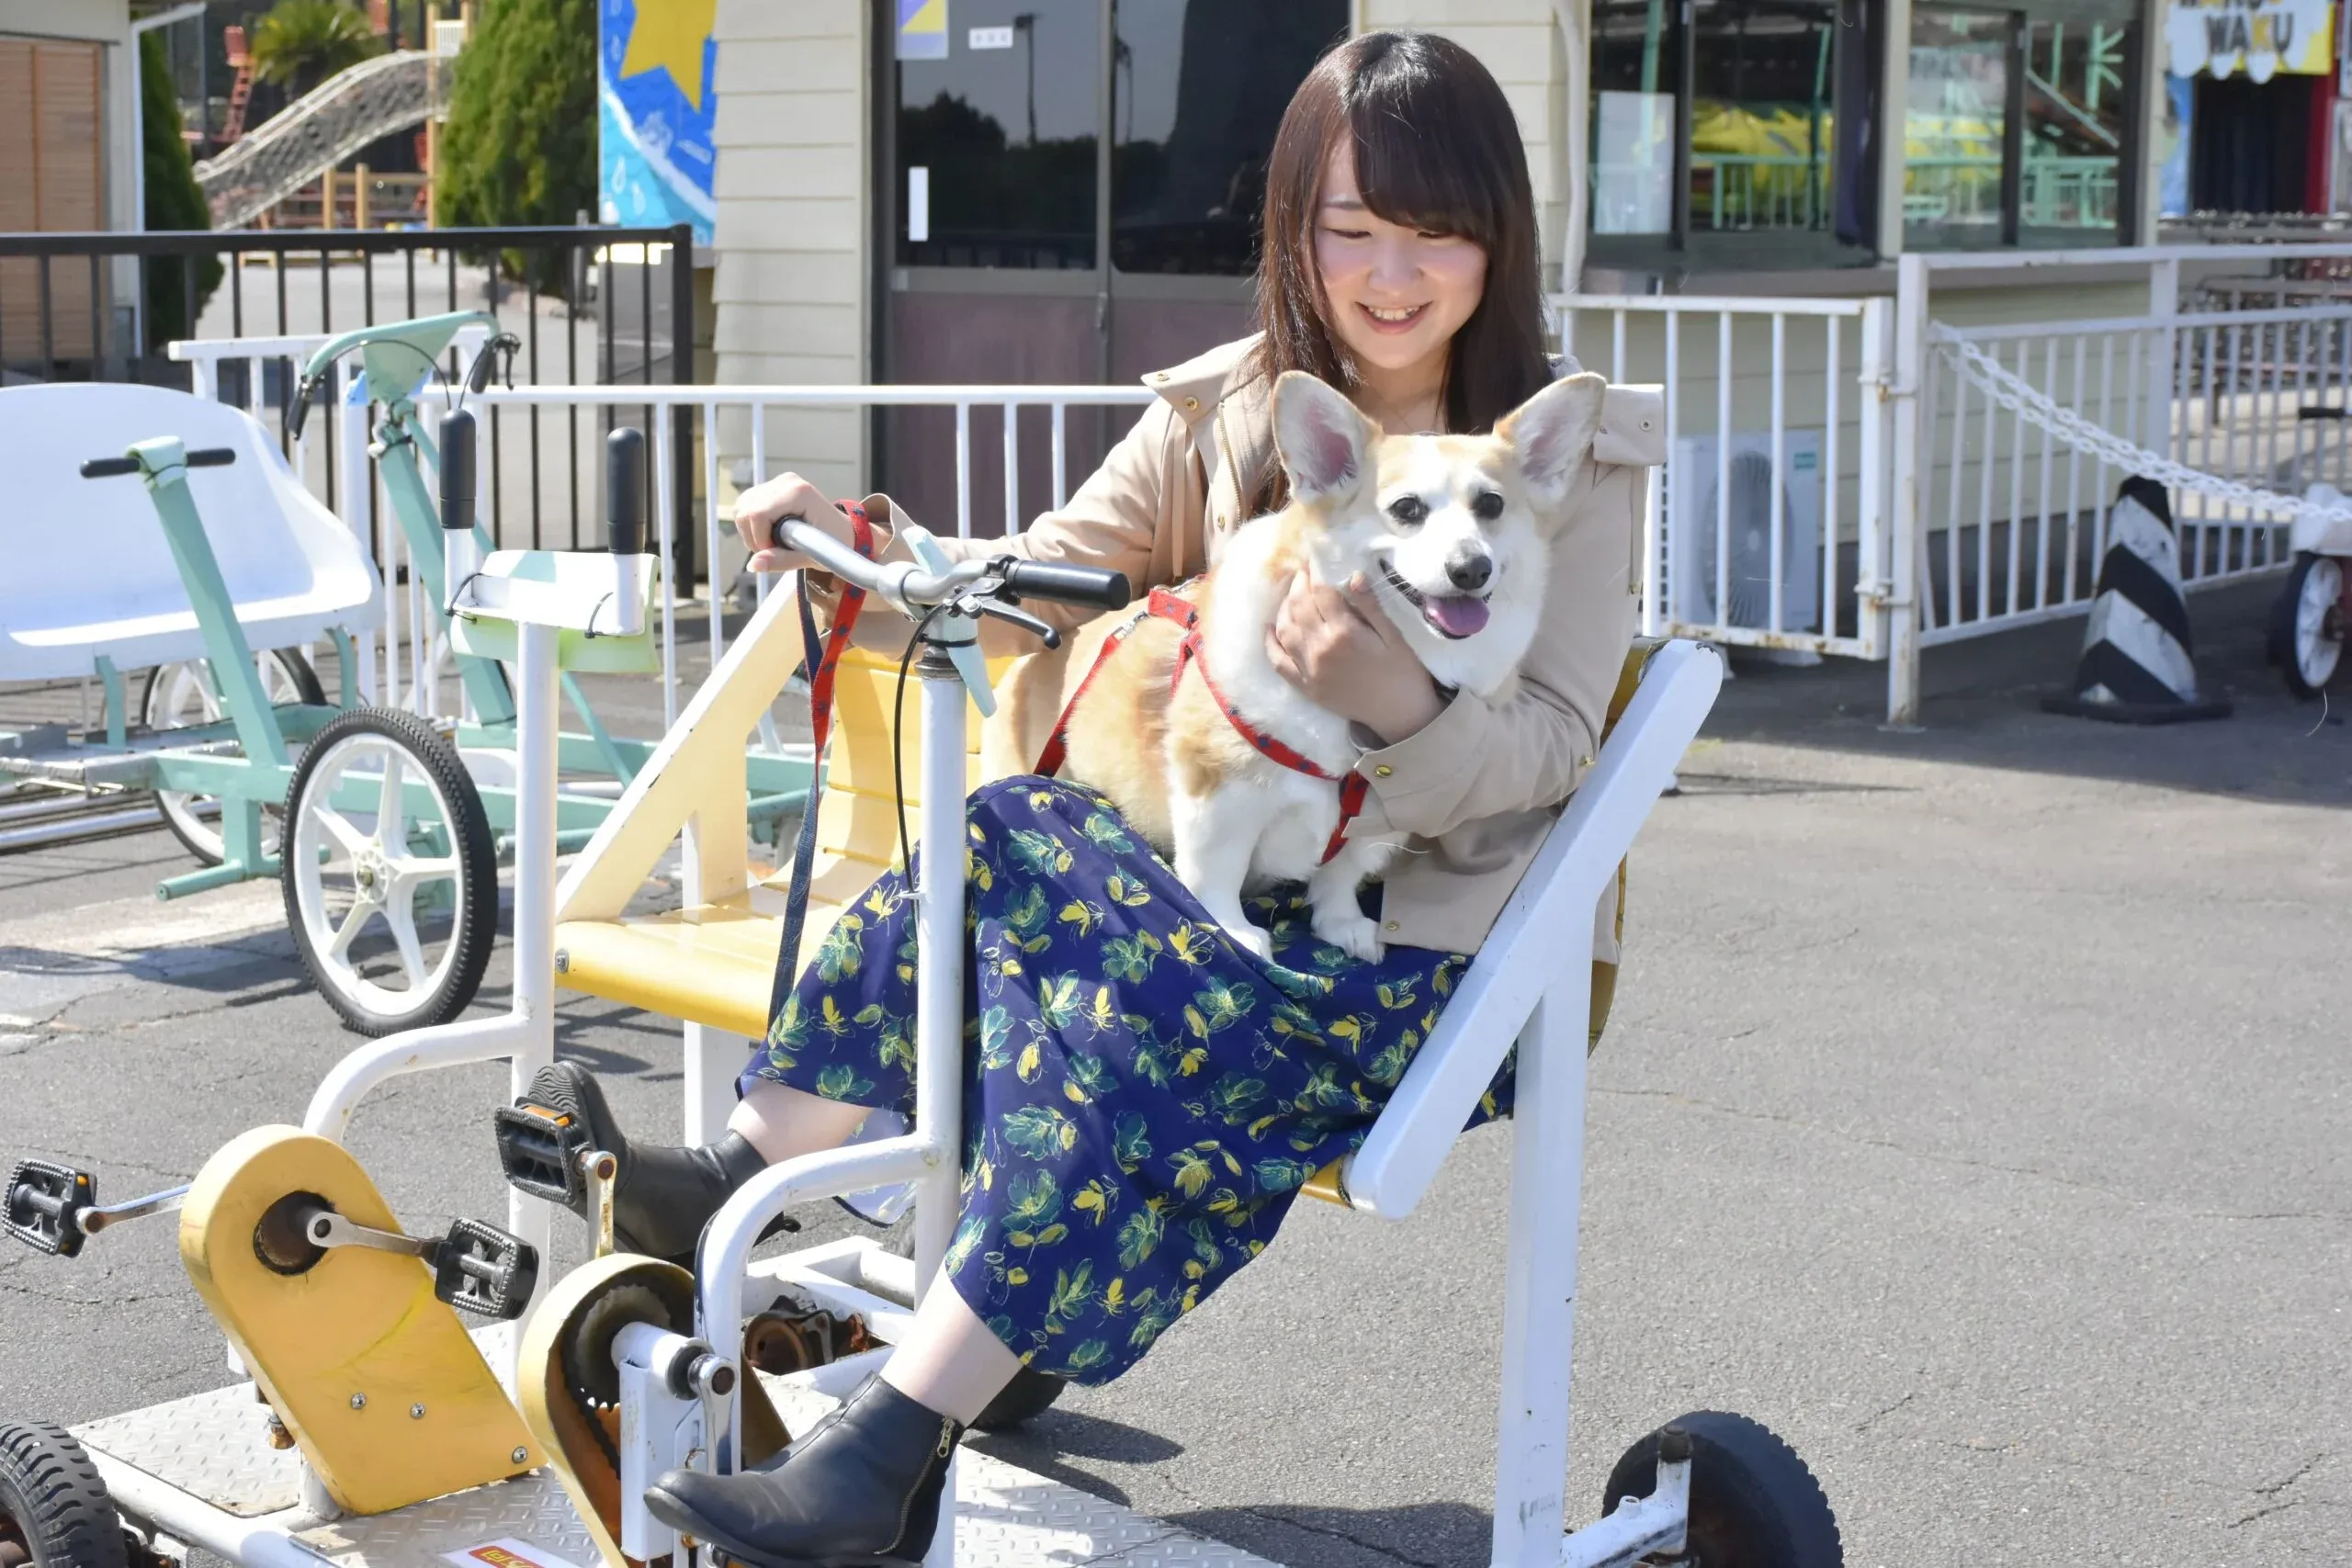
794,176
1519,40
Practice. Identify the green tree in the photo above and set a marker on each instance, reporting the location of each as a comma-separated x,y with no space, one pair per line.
174,201
302,42
520,146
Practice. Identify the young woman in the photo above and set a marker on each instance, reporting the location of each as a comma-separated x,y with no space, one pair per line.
1146,1096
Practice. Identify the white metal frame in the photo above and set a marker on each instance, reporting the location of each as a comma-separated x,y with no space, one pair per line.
1524,989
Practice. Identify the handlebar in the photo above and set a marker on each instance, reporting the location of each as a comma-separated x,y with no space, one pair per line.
202,458
625,490
1093,585
1015,579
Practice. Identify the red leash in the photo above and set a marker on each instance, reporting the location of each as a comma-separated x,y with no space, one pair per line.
1167,605
820,680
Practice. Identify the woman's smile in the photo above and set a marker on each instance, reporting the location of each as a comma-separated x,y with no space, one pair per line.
1392,319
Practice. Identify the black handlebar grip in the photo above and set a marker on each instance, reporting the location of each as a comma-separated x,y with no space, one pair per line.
1071,584
212,457
109,468
625,490
457,472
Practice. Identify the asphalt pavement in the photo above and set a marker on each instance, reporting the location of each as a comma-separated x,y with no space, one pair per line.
1975,1115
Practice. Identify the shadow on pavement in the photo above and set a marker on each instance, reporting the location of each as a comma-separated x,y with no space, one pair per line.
1981,706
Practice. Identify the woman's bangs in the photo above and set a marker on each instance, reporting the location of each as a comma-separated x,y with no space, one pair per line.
1410,175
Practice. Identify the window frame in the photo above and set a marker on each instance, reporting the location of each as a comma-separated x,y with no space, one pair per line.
1858,71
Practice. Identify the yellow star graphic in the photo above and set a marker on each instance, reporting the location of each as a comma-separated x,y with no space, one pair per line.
670,35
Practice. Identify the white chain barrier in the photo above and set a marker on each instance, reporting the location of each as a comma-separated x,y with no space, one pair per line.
2020,397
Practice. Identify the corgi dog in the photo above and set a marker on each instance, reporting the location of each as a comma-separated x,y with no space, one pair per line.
1230,771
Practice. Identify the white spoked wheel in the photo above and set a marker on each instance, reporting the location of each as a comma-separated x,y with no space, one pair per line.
181,695
391,875
2307,623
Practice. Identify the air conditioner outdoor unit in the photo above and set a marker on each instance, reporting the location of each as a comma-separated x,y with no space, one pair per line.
1693,506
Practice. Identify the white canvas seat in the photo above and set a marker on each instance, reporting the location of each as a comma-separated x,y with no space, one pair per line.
88,571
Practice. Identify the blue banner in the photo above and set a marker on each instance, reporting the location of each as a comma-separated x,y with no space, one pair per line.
657,102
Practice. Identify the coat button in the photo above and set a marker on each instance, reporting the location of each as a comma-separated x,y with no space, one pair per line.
1160,375
1192,403
1394,926
1381,770
1584,762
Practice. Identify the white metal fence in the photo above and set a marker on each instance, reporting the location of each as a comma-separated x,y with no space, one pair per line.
1833,483
713,406
1776,536
2014,516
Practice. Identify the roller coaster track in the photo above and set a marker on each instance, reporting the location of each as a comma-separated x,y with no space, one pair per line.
327,125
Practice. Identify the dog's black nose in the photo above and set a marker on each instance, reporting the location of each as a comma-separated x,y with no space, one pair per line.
1469,569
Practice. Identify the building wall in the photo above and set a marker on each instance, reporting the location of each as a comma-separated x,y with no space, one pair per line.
100,21
791,292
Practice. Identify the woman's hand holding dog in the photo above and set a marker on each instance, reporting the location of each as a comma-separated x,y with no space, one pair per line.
786,495
1338,648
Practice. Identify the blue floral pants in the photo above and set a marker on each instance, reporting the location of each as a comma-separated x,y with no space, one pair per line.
1144,1096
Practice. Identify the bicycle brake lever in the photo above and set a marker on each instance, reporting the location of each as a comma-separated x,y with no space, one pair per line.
1022,618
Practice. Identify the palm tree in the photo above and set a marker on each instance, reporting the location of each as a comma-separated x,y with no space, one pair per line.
302,42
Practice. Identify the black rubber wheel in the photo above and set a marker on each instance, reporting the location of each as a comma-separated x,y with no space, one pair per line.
343,873
164,703
54,1512
1753,1503
1030,1393
2307,629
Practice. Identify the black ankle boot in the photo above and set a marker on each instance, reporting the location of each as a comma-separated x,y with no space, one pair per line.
860,1491
662,1197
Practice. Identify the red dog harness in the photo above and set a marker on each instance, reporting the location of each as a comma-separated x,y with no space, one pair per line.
1168,607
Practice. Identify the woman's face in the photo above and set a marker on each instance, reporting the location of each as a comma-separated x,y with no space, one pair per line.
1395,295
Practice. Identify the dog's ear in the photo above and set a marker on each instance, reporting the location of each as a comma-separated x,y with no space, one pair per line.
1551,433
1322,438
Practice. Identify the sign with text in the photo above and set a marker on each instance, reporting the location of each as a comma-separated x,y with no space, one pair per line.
2262,38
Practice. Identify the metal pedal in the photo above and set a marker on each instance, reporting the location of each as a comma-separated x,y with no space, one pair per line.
482,1269
540,1153
44,1206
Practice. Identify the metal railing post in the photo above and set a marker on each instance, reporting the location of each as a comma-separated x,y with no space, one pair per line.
1875,386
1910,442
682,431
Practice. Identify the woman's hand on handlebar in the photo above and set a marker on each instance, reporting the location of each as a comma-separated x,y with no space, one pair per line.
786,495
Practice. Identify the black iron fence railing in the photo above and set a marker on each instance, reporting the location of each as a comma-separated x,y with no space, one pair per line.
588,304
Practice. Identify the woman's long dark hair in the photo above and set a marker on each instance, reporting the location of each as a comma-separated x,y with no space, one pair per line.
1436,147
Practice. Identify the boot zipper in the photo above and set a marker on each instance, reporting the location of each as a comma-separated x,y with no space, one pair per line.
906,1503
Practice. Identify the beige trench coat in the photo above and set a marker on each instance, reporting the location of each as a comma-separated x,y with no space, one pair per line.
1480,785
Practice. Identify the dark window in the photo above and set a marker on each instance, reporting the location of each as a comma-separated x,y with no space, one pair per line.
1198,89
996,144
2016,124
1738,141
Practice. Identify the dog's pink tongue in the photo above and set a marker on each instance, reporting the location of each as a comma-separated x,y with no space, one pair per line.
1458,617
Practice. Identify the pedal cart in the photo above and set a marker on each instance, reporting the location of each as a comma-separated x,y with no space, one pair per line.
2313,612
275,569
630,1366
399,361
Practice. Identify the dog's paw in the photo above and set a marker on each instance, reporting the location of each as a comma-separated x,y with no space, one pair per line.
1352,932
1256,938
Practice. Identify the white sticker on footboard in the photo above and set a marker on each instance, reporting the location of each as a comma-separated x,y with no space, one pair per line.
506,1554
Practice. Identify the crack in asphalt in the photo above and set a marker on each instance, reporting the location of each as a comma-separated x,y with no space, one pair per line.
1874,1420
2297,1475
